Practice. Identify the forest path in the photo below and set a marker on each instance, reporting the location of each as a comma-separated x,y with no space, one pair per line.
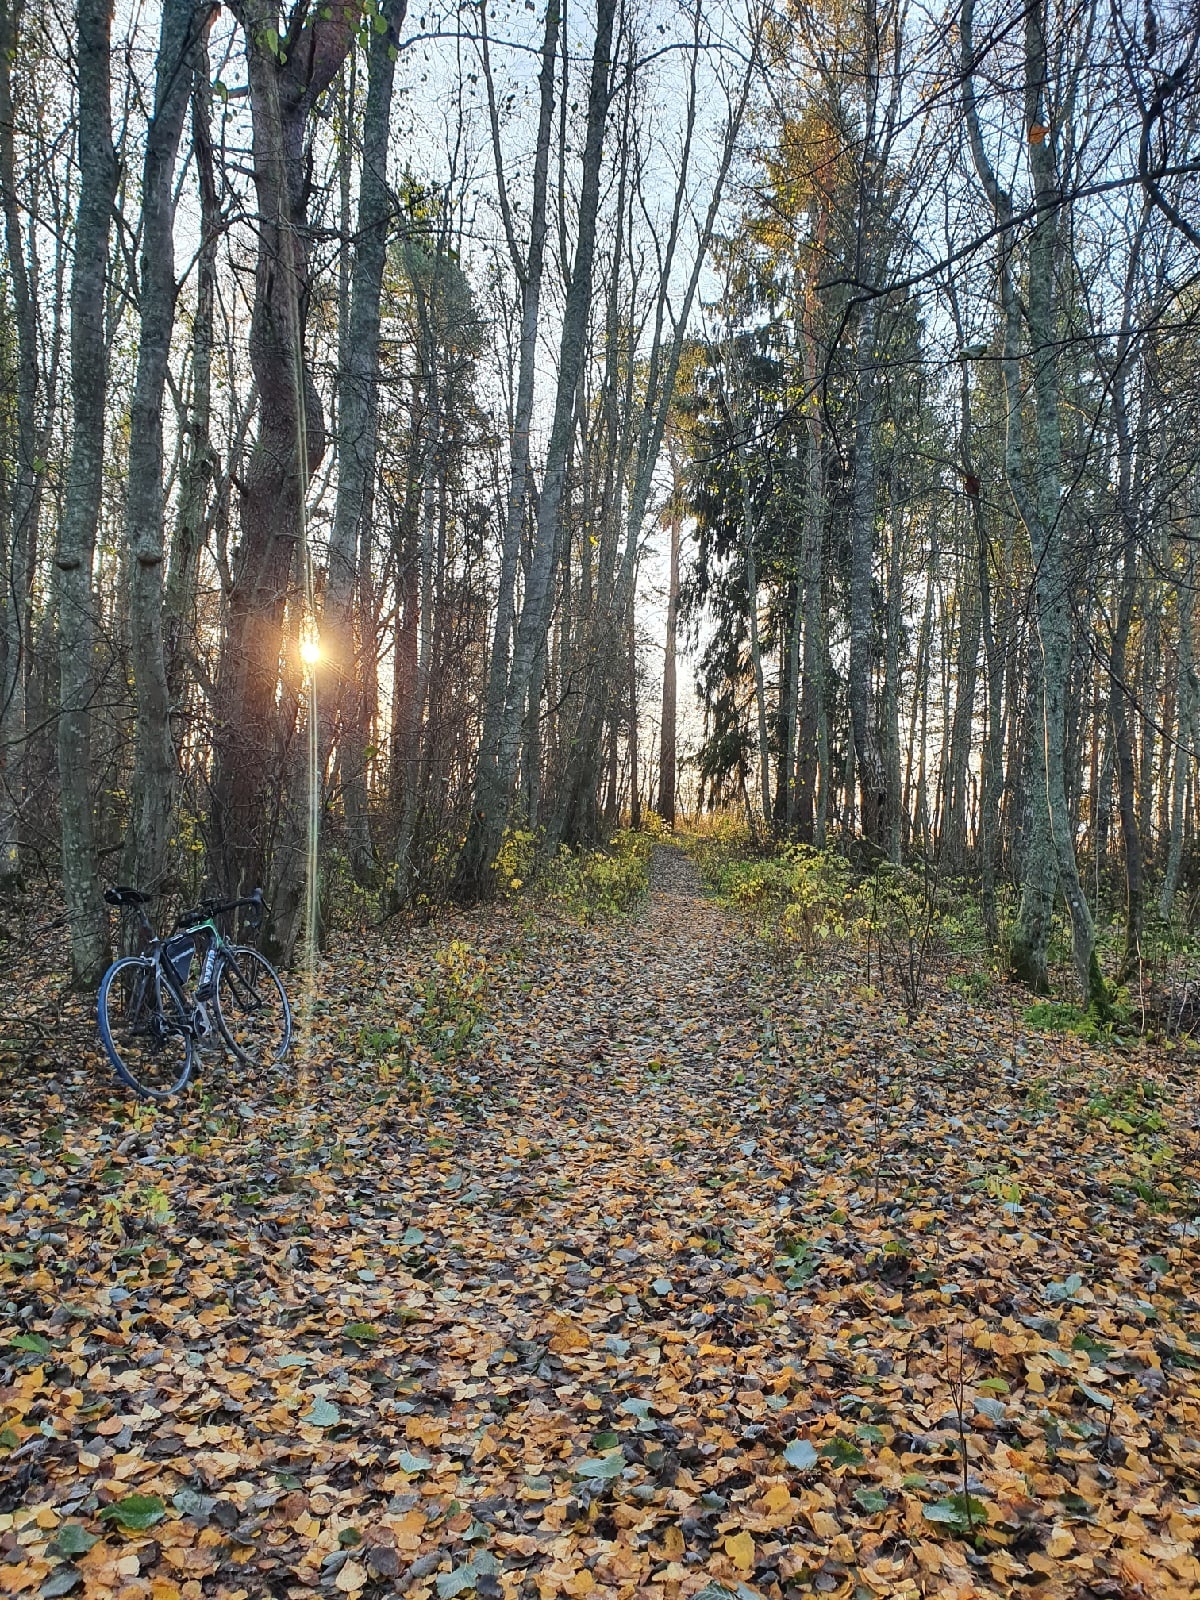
656,1286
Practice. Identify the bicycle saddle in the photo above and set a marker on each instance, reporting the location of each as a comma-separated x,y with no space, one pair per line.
122,895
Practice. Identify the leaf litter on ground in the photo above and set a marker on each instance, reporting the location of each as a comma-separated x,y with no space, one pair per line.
649,1285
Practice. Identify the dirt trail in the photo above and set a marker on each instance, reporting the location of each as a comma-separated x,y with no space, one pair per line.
549,1327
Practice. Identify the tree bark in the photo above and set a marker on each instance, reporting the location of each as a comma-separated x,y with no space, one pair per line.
81,508
495,779
868,758
1050,584
357,438
154,750
200,459
25,493
667,732
287,77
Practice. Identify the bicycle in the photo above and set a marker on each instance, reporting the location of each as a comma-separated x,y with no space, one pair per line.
152,1030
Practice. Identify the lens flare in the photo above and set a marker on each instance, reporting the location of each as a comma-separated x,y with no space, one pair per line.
310,648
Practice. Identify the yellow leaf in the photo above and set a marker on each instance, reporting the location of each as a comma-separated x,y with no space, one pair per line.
777,1497
672,1543
1060,1543
566,1338
739,1547
351,1578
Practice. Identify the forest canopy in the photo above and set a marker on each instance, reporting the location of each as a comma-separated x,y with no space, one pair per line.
404,414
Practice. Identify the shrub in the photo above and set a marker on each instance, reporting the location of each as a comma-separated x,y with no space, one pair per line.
599,883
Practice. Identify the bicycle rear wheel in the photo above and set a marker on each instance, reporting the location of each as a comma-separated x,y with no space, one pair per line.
144,1031
252,1009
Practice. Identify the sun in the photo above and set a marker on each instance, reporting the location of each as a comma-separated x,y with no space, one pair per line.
310,648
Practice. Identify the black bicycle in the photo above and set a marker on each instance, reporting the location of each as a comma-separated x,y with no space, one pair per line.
152,1027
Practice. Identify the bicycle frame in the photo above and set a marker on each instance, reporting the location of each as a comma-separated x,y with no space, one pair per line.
216,946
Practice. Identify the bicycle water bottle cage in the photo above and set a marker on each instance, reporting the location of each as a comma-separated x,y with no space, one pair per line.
208,974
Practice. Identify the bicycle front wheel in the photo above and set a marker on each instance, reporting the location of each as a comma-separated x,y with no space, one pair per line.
252,1010
144,1031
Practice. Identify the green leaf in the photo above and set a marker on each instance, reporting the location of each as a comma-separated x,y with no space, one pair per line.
31,1341
801,1455
61,1581
870,1434
842,1453
605,1441
72,1539
636,1408
407,1462
1158,1264
349,1537
871,1500
1104,1401
9,1438
996,1385
1094,1347
413,1236
455,1582
136,1512
323,1414
952,1513
291,1358
191,1503
602,1467
1064,1291
363,1332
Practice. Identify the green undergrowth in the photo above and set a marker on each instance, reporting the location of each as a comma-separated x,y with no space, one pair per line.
1057,1016
581,886
816,910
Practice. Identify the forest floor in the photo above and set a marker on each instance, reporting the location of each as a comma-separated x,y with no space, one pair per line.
602,1260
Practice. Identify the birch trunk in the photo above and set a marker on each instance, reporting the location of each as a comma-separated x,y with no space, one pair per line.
200,460
1051,589
154,766
667,740
25,494
249,766
1185,752
357,437
81,507
495,778
868,758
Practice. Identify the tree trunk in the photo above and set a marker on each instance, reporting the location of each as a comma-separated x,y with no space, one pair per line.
1038,501
1184,753
813,664
357,432
667,744
81,507
154,769
495,778
868,759
1051,589
285,85
635,798
200,460
24,498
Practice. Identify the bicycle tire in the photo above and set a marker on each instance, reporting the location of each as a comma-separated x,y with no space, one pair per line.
143,1029
251,1007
